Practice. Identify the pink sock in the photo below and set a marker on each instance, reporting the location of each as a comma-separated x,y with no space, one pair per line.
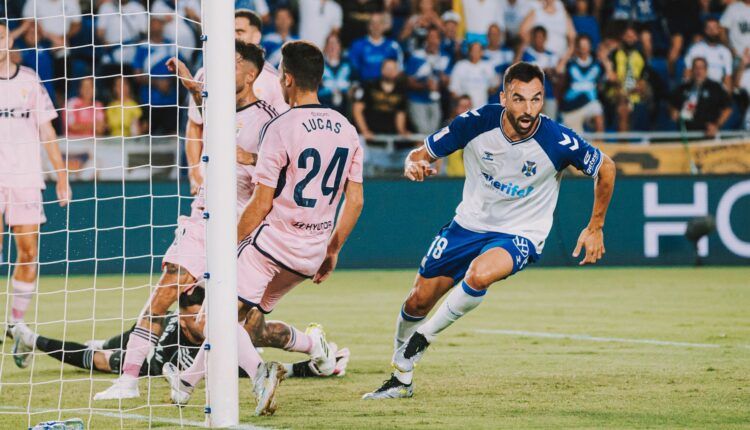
139,345
193,374
299,342
248,358
23,292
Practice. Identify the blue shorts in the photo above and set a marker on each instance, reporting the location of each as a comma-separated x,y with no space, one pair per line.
455,247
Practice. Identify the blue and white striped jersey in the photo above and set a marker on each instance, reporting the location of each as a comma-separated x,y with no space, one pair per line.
511,187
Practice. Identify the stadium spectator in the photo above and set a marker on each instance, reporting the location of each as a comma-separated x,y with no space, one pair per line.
561,34
427,72
258,6
272,42
454,163
177,29
700,103
83,117
479,15
585,23
120,23
742,82
318,19
123,112
368,53
415,30
514,12
736,20
358,16
336,76
452,41
548,61
39,60
583,76
56,20
157,83
718,56
380,106
474,77
630,94
496,54
683,23
642,15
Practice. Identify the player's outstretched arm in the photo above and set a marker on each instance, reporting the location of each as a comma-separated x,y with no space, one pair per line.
186,79
354,201
255,212
193,151
418,165
48,135
592,237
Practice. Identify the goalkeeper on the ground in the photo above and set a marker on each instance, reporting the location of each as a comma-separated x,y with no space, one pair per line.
177,346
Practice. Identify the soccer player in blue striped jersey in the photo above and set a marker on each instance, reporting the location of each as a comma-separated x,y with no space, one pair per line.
514,158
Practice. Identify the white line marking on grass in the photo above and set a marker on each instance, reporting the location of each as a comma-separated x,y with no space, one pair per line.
135,417
602,339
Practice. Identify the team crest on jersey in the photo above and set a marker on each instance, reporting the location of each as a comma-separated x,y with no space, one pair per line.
529,168
487,156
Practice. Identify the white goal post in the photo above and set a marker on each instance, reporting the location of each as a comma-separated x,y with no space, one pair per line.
221,226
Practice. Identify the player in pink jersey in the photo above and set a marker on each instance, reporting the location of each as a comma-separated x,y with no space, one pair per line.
26,114
247,28
307,155
185,261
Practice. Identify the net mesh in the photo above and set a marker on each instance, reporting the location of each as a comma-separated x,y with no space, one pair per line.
120,130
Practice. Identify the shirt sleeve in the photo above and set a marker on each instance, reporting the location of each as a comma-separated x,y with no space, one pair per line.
338,16
726,18
579,153
355,170
194,113
451,138
272,158
43,106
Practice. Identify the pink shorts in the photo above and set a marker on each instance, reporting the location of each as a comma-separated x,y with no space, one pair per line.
261,280
22,206
189,247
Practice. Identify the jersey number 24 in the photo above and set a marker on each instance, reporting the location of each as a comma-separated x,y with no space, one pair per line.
311,155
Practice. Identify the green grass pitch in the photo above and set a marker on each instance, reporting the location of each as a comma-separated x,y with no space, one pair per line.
469,378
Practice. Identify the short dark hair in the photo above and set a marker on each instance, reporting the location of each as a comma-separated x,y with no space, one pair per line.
697,59
250,53
193,297
524,72
581,36
539,28
304,61
251,16
3,22
284,8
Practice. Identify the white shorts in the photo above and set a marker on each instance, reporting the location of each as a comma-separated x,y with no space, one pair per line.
22,206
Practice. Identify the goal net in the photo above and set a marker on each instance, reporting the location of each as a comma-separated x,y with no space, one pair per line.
86,93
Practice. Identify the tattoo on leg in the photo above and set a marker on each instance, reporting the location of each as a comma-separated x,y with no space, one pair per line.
271,334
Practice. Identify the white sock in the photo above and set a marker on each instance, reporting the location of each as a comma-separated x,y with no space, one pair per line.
406,325
457,304
404,377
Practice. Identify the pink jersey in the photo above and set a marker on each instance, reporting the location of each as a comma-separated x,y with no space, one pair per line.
24,107
249,121
308,154
78,113
266,87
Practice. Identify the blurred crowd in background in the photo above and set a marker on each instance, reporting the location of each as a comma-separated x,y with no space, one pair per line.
403,67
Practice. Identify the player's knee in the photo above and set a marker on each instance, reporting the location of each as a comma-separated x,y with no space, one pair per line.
27,254
479,278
